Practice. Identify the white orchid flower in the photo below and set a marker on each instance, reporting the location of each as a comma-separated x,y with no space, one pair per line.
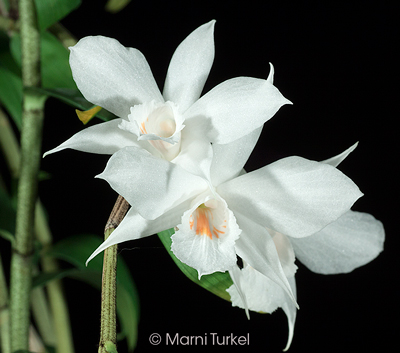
176,125
226,216
351,241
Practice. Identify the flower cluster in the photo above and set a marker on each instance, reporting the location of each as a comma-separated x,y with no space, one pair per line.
178,158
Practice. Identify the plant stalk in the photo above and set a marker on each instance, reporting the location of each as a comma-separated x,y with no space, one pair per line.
32,121
108,320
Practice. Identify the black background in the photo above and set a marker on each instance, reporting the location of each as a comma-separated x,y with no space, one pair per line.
335,62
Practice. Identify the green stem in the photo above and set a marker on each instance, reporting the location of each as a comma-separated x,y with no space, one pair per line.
108,320
4,313
59,308
32,121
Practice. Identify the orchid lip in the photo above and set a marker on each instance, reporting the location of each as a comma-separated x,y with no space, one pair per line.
158,123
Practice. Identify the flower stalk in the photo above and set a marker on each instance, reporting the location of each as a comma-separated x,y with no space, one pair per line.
108,320
32,121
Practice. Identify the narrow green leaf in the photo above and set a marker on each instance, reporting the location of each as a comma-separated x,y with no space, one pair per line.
6,235
217,283
76,250
43,278
11,94
55,69
52,11
10,82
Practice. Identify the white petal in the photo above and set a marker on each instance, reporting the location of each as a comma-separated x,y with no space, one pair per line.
134,226
206,237
150,185
336,160
290,310
196,154
238,297
229,159
234,108
285,253
262,294
293,196
351,241
256,247
112,76
270,77
190,66
103,138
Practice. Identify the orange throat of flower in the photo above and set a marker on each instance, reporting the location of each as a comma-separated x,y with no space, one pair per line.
203,221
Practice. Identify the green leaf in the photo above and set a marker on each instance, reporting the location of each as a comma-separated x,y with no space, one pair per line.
6,235
52,11
42,279
76,250
114,6
74,98
217,283
10,82
55,69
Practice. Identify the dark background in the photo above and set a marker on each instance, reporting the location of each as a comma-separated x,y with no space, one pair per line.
335,62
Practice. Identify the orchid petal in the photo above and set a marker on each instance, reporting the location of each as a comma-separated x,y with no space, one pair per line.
134,226
291,311
351,241
256,247
285,253
150,185
270,77
229,159
190,66
103,138
261,293
112,76
237,290
196,154
293,196
336,160
234,108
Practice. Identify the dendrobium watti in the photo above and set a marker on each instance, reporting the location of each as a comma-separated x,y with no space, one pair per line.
351,241
226,216
177,125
